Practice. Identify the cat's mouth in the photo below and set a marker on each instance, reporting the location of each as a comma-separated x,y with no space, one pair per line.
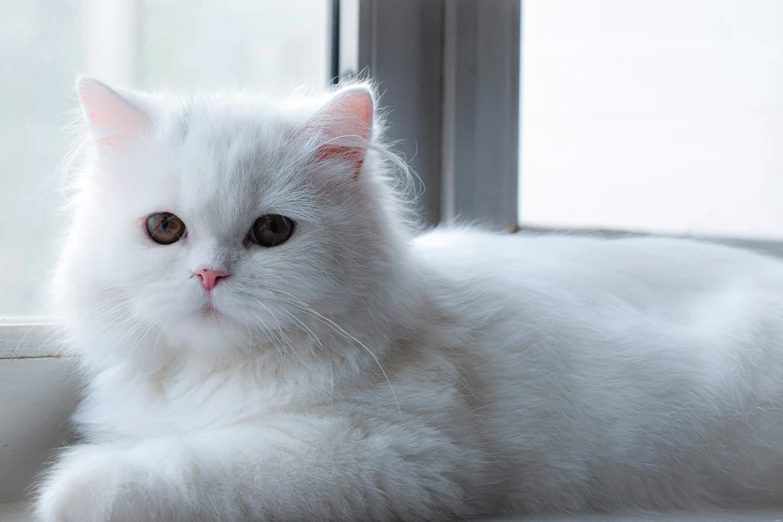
208,310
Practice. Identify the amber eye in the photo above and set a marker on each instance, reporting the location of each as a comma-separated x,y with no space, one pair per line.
271,230
165,228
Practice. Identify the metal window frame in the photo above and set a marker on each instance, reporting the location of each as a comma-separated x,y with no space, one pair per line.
481,112
401,48
442,66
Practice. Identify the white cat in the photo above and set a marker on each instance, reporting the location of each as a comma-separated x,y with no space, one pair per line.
265,338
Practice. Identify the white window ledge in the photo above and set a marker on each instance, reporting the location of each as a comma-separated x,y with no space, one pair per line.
19,512
16,512
38,393
25,338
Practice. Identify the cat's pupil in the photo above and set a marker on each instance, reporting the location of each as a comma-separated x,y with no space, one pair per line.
164,225
271,230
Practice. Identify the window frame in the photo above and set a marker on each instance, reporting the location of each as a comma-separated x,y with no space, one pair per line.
400,47
28,338
481,136
441,67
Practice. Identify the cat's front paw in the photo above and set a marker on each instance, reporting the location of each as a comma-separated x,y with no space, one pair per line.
94,485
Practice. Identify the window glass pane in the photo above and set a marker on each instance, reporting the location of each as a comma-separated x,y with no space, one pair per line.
40,52
44,44
270,46
349,38
653,115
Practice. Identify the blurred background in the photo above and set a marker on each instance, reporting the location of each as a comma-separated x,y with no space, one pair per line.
662,116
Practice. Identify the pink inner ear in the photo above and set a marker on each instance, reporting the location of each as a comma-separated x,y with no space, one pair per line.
359,106
354,155
113,120
349,118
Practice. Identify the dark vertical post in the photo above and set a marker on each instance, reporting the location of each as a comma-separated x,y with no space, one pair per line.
334,59
401,48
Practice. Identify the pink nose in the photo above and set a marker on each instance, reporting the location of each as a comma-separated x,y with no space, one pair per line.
209,278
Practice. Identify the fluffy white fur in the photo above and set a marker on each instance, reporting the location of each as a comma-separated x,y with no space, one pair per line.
362,372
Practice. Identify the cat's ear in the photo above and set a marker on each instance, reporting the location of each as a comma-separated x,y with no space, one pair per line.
345,127
114,119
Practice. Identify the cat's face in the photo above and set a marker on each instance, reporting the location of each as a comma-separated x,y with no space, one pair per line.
226,214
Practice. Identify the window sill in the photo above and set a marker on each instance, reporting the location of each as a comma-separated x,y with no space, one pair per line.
20,512
28,337
41,391
16,512
724,516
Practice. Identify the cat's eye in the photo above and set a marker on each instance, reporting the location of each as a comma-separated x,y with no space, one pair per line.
271,230
165,228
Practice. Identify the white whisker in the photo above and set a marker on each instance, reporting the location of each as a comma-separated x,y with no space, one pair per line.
337,328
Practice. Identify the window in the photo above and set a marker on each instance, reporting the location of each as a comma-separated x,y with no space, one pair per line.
45,44
40,52
653,115
661,116
270,46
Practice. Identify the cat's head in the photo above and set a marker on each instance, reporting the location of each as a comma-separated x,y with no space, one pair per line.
224,218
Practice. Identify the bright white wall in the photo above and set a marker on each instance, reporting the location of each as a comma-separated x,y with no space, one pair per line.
663,115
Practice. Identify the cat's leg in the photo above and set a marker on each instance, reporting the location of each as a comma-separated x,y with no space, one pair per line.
288,469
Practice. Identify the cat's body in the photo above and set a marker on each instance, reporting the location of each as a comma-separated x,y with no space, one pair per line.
377,376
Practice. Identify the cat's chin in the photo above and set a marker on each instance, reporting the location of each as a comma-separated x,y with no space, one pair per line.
211,311
208,311
210,332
